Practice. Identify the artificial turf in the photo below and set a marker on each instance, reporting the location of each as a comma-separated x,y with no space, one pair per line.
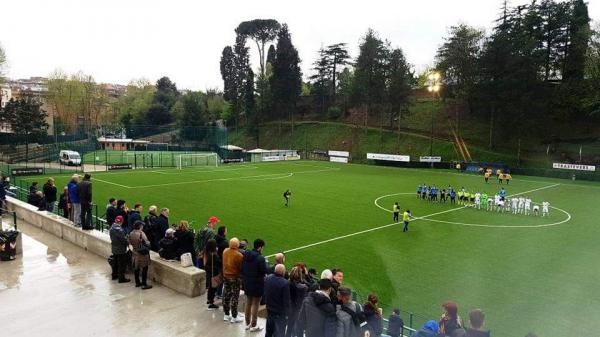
524,272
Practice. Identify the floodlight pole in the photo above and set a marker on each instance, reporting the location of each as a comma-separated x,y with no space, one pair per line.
433,88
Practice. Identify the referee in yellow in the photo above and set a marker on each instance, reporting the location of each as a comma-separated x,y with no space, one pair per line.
396,210
406,218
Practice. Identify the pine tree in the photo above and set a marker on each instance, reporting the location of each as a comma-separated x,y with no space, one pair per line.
286,82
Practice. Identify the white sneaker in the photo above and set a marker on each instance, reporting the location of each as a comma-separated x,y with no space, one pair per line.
247,327
226,318
236,319
256,328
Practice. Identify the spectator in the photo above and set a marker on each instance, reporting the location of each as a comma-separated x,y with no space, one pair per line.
74,201
279,259
374,315
450,320
429,329
213,270
150,228
395,324
162,223
477,318
254,269
119,245
84,192
325,274
185,240
135,214
63,204
168,246
205,234
243,245
232,268
336,282
111,211
37,200
141,254
311,277
349,315
33,187
298,291
277,300
317,316
221,239
50,194
123,211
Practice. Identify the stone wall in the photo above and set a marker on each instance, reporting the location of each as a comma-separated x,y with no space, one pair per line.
189,281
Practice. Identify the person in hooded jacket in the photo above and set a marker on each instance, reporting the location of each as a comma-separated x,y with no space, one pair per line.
298,291
349,318
254,269
75,215
317,316
429,329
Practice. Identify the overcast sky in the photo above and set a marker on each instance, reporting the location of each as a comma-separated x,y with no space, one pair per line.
119,40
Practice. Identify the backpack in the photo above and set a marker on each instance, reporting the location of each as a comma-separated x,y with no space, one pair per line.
203,236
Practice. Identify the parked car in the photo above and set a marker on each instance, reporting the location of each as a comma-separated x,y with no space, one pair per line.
70,158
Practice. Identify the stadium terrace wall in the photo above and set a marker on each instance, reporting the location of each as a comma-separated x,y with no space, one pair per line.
558,173
189,281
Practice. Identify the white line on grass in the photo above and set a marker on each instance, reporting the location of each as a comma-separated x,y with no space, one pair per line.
110,182
425,217
232,178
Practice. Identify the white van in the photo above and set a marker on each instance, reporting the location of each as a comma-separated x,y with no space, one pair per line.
69,158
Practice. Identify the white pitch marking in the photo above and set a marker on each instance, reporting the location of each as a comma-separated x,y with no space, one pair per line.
110,182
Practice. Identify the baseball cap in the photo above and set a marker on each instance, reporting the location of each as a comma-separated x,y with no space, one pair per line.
213,219
119,219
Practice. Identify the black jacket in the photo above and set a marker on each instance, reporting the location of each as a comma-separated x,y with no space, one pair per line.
150,221
161,226
111,214
298,291
49,192
317,316
185,242
374,321
222,244
277,294
395,326
84,191
133,217
213,265
168,248
254,269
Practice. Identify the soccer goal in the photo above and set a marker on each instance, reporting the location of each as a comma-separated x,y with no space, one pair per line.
197,159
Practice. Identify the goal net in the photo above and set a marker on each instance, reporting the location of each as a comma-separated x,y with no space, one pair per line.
193,159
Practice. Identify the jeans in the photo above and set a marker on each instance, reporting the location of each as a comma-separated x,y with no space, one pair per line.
275,325
251,312
76,214
50,206
86,215
231,296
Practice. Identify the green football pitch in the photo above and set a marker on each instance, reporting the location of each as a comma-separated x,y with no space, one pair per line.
527,273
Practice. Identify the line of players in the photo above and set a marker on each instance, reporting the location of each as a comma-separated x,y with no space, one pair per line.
499,202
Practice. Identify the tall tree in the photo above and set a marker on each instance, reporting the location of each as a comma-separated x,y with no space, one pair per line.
579,36
26,119
370,73
193,117
286,81
321,79
261,31
338,57
250,103
271,54
400,81
457,60
228,73
2,64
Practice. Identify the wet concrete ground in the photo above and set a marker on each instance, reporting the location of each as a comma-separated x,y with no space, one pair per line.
58,289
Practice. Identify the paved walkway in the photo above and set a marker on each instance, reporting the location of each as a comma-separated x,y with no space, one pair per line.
58,289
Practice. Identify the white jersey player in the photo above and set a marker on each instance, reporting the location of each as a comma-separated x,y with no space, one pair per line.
527,206
515,205
507,205
499,203
545,208
490,205
536,210
478,200
521,205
